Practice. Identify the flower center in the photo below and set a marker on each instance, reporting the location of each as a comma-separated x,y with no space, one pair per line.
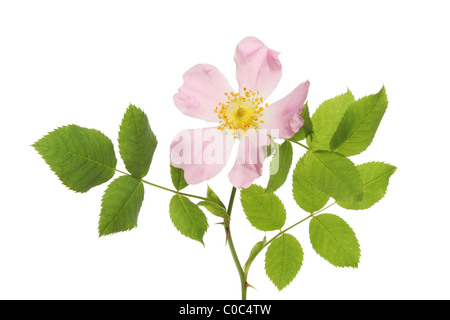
240,112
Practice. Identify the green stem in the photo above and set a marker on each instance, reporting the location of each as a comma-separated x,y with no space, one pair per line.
167,189
300,144
226,224
283,231
296,224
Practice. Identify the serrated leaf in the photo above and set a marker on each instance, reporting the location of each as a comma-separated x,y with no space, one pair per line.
177,176
326,119
214,205
375,177
265,211
334,175
306,194
359,124
307,127
81,158
121,204
280,166
137,142
284,258
334,240
257,248
188,218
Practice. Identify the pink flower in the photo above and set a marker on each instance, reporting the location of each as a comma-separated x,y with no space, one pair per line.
244,116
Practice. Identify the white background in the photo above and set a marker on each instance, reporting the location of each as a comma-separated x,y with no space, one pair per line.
83,62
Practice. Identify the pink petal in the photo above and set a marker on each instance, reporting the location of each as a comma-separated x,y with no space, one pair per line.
203,88
201,153
282,118
250,158
257,67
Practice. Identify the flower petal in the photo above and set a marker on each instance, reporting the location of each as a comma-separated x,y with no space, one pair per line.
282,118
201,153
257,67
203,88
250,158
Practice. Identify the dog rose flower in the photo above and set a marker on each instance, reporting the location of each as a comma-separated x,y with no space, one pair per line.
244,115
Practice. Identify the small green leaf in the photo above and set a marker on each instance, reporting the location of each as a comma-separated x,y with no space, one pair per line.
215,209
280,166
137,142
188,218
359,124
284,258
81,158
177,176
307,127
326,120
265,211
257,248
334,175
375,177
214,205
306,194
212,196
121,204
334,240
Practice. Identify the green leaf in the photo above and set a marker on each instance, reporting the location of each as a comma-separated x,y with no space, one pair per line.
334,175
334,240
375,177
188,218
307,127
137,143
265,211
121,204
81,158
326,119
212,196
177,176
214,205
280,166
270,149
215,209
284,258
257,248
359,124
306,194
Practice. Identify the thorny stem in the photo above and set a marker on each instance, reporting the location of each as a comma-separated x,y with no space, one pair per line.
226,224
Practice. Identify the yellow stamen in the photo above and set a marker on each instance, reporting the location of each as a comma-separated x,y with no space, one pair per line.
241,112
